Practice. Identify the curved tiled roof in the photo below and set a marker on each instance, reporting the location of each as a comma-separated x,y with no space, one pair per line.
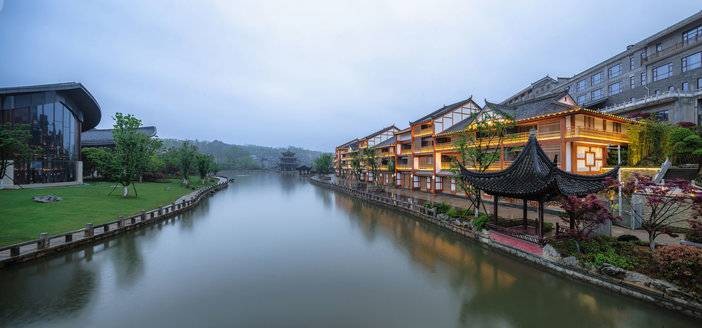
443,110
72,90
388,142
534,176
103,137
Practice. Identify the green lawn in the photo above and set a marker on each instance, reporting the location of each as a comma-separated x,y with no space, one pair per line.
22,219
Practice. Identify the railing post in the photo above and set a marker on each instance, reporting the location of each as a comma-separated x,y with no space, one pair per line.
119,221
143,216
88,230
14,251
43,241
68,237
106,227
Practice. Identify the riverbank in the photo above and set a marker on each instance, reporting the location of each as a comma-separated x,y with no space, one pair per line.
92,232
24,219
533,254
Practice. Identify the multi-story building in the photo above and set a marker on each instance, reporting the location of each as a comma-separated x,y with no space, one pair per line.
378,140
660,75
55,114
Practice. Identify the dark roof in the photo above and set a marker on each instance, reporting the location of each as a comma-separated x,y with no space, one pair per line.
354,144
76,92
103,137
380,131
543,105
386,143
534,176
348,143
443,110
460,126
303,168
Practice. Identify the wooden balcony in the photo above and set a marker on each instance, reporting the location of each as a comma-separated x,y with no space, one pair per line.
423,132
425,149
426,167
447,166
582,132
407,151
405,167
445,146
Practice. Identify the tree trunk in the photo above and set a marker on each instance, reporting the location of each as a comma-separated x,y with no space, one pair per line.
652,241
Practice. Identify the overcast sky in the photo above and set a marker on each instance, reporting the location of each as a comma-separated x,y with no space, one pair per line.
308,73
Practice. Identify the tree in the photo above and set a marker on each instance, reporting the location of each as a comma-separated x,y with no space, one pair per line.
133,150
665,204
323,163
14,145
648,142
584,215
357,165
370,159
685,146
185,160
479,147
205,165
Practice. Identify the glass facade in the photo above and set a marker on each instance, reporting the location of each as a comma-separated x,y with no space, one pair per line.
55,134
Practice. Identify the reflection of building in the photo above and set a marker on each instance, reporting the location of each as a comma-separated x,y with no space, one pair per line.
103,137
288,162
56,115
661,74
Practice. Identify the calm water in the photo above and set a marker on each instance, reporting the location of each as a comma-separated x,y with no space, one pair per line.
276,251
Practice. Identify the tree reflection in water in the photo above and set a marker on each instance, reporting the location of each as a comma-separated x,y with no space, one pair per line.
494,290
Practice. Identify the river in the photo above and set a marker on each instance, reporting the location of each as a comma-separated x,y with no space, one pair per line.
276,251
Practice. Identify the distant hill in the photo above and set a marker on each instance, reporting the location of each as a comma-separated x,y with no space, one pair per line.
230,156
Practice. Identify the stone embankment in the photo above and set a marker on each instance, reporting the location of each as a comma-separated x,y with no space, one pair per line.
657,292
47,245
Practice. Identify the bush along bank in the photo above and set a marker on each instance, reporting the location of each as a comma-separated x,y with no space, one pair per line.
634,284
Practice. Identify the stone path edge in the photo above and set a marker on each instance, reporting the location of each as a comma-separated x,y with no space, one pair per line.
50,245
685,307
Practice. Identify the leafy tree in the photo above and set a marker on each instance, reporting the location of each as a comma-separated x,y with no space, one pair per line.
648,142
14,145
685,146
372,163
131,156
357,165
479,147
323,163
584,215
186,156
665,205
205,165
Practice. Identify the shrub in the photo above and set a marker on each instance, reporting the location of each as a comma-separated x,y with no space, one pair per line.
610,256
453,212
548,227
480,222
628,238
681,265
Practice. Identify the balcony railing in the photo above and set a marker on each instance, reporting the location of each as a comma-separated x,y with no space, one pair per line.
426,166
407,151
596,134
447,165
648,99
404,167
445,146
425,149
424,132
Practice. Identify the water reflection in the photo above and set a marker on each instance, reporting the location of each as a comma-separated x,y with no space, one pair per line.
494,290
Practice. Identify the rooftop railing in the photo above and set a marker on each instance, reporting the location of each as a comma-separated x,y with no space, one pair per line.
649,99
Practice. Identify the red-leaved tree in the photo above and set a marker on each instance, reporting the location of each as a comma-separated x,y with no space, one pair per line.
666,204
584,215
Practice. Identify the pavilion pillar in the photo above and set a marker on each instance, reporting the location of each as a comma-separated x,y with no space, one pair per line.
494,207
540,227
525,222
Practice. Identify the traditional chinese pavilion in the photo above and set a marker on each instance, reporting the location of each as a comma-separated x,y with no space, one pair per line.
288,162
534,177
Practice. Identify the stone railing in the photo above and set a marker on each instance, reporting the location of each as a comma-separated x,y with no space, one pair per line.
49,244
614,109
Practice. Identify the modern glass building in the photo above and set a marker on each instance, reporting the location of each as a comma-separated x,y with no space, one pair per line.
55,114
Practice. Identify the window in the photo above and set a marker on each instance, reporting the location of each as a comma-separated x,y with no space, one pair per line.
632,82
597,78
657,92
692,61
662,115
685,86
643,78
662,72
631,62
671,88
615,88
614,71
589,122
581,99
582,84
617,127
692,35
659,47
699,83
643,54
596,94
